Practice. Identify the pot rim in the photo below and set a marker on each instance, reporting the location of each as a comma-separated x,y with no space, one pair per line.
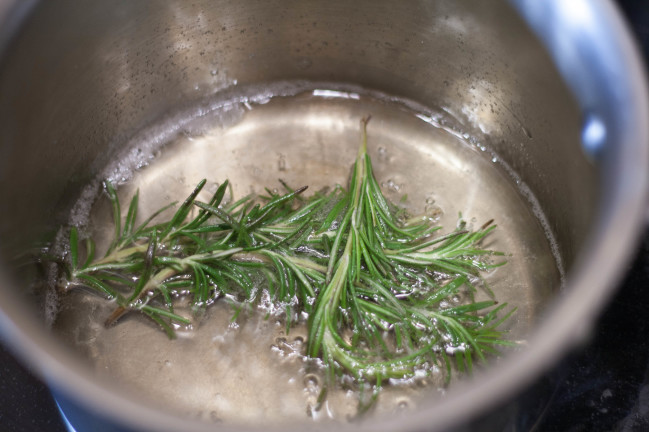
569,322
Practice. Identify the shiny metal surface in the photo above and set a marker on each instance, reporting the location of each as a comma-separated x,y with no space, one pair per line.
79,80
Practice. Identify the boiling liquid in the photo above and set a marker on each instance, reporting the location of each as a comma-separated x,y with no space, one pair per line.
249,370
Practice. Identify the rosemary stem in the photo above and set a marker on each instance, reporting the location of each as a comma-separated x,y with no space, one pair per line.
306,263
155,281
119,255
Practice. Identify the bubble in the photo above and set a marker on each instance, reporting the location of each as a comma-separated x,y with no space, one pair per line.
281,163
311,381
433,212
403,404
391,185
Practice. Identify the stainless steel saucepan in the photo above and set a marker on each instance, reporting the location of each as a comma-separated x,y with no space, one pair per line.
556,88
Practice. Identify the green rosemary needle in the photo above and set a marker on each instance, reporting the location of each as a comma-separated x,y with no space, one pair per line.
377,290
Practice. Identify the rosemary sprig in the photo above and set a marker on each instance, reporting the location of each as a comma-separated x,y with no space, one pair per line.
379,292
382,282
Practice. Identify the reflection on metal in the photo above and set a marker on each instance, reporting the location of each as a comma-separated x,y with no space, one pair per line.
577,37
593,135
577,34
66,422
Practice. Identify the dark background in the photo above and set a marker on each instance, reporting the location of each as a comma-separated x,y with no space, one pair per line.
602,387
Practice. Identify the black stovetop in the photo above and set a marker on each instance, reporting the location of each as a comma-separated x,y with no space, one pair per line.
603,386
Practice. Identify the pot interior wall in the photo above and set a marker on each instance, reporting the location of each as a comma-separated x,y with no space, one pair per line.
80,79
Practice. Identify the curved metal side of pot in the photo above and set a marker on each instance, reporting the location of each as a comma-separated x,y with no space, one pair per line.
78,79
